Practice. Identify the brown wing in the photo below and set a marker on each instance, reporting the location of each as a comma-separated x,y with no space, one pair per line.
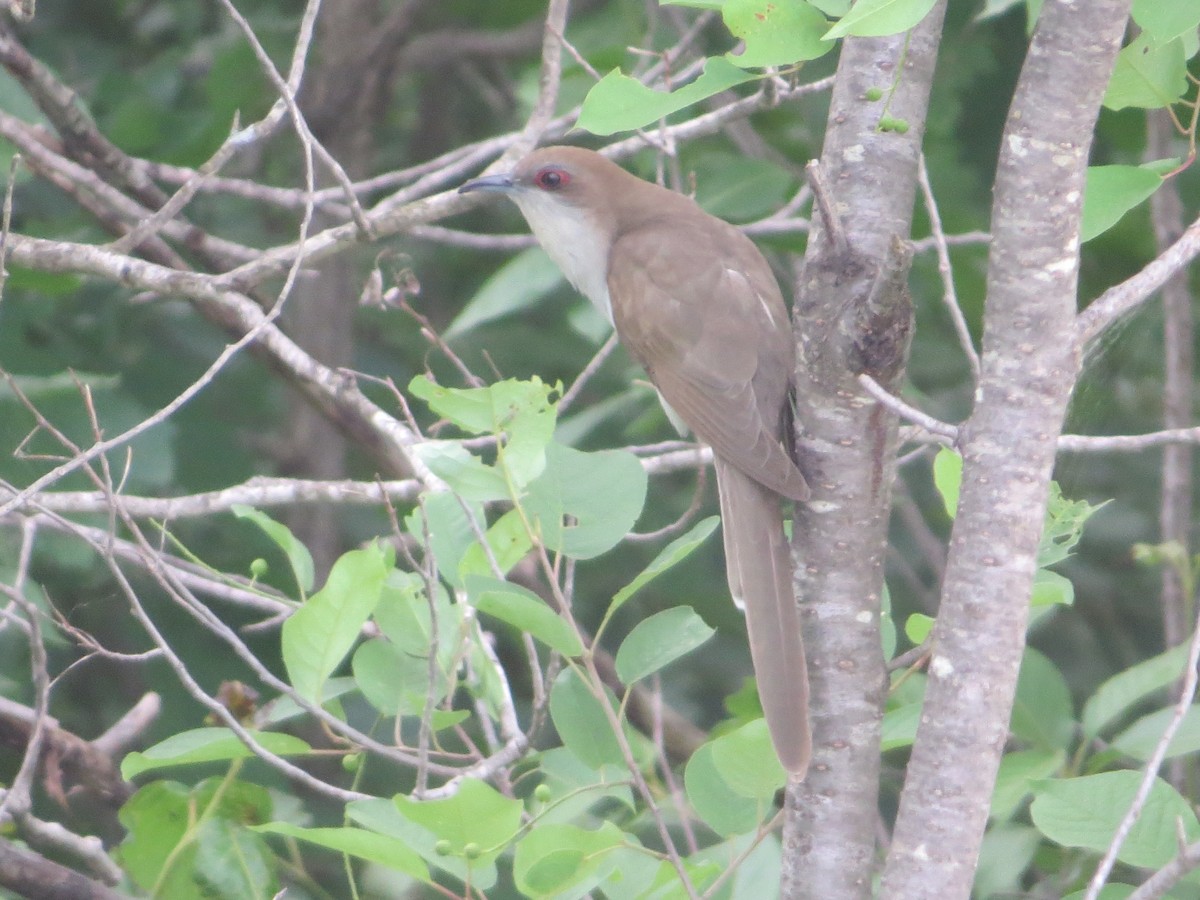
704,316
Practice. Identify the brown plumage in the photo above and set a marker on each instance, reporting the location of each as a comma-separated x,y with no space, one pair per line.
696,304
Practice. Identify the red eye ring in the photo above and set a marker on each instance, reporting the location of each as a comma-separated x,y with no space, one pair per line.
551,178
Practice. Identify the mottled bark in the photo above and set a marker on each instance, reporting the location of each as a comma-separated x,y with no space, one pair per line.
1029,367
853,315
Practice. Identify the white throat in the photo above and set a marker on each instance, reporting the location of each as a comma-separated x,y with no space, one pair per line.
574,241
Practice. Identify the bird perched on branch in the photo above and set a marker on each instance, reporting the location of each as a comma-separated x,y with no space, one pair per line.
696,304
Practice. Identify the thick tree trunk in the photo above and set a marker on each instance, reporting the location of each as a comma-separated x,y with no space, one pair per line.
1029,366
853,316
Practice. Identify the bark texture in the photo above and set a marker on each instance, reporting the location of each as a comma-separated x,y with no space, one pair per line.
1029,367
852,316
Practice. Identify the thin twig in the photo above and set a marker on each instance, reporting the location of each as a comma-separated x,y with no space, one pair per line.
1122,299
1187,694
949,294
911,413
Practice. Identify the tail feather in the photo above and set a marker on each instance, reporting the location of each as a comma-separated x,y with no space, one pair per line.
758,564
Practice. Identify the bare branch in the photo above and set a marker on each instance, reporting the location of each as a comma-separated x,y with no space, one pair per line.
1117,302
949,295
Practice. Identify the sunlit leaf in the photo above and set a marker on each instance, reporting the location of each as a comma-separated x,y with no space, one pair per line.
620,103
879,18
524,610
1111,192
317,637
776,32
1147,75
202,745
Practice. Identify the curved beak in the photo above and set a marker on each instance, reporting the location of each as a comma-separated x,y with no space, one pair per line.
494,183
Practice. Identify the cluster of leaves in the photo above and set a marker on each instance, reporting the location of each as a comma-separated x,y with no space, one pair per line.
780,33
1057,795
577,823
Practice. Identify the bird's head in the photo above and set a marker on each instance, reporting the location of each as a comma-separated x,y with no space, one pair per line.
573,200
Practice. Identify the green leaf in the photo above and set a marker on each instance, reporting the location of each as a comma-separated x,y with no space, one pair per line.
660,640
1118,694
384,817
1063,527
318,636
670,555
602,493
1084,812
1042,711
476,814
203,745
776,32
232,862
357,842
508,540
284,707
404,616
746,759
466,474
1111,192
887,624
514,287
1148,76
1164,22
947,478
297,554
620,103
1140,738
918,626
552,859
1050,589
525,611
443,523
1018,772
576,787
581,722
156,819
720,807
395,681
492,409
447,718
879,18
522,412
1006,852
900,726
835,8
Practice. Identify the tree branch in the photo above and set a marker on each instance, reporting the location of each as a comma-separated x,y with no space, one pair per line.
1008,444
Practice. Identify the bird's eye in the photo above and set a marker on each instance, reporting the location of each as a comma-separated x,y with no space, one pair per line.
551,179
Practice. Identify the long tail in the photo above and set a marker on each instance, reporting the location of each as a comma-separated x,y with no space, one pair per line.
758,564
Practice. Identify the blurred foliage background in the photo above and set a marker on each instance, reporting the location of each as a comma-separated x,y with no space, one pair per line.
166,80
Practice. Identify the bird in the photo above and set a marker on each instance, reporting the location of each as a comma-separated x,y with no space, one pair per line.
696,304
